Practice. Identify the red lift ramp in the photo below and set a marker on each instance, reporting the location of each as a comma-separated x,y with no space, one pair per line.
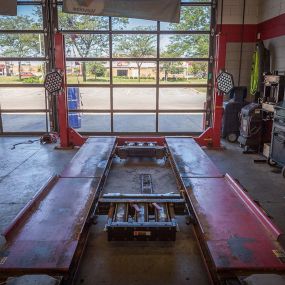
189,159
92,159
46,240
47,237
237,234
236,237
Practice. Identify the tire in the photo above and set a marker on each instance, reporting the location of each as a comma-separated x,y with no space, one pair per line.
232,137
283,172
271,162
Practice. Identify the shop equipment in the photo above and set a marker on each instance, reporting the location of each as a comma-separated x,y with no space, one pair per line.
250,126
231,116
277,151
140,149
257,118
274,87
144,217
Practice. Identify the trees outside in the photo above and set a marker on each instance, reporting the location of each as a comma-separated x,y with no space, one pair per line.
189,45
199,69
86,45
97,69
139,45
21,45
136,46
97,45
171,68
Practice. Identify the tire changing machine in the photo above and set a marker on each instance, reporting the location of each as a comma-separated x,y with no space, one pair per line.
48,236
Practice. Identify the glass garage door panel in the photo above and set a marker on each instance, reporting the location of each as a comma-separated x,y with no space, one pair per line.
22,72
134,98
29,123
181,122
182,98
90,72
194,18
22,45
134,46
188,45
22,98
28,18
91,122
87,45
95,98
183,72
130,24
134,122
134,72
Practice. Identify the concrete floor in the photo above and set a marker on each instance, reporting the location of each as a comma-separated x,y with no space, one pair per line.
163,180
141,263
24,169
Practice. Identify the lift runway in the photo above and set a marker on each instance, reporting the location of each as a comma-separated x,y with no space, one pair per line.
47,236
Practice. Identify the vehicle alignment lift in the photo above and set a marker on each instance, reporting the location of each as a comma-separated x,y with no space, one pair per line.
48,236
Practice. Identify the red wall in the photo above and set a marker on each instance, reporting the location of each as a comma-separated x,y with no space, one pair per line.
269,29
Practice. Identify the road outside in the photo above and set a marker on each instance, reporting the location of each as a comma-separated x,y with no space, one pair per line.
99,99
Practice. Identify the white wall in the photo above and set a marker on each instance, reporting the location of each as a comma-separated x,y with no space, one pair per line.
233,59
277,51
269,9
233,12
256,12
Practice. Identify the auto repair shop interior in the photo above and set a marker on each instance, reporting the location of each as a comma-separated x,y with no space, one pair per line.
142,142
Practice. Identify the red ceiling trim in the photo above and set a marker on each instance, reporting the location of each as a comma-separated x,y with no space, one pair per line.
235,33
269,29
272,28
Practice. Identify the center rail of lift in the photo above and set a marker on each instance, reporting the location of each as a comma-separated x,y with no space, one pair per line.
234,232
45,236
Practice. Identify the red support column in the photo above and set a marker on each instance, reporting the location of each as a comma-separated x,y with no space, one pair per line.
220,64
62,96
212,136
68,136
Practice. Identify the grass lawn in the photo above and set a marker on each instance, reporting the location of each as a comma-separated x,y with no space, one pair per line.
105,80
121,80
16,80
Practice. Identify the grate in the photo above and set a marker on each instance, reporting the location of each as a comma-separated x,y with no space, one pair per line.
146,184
